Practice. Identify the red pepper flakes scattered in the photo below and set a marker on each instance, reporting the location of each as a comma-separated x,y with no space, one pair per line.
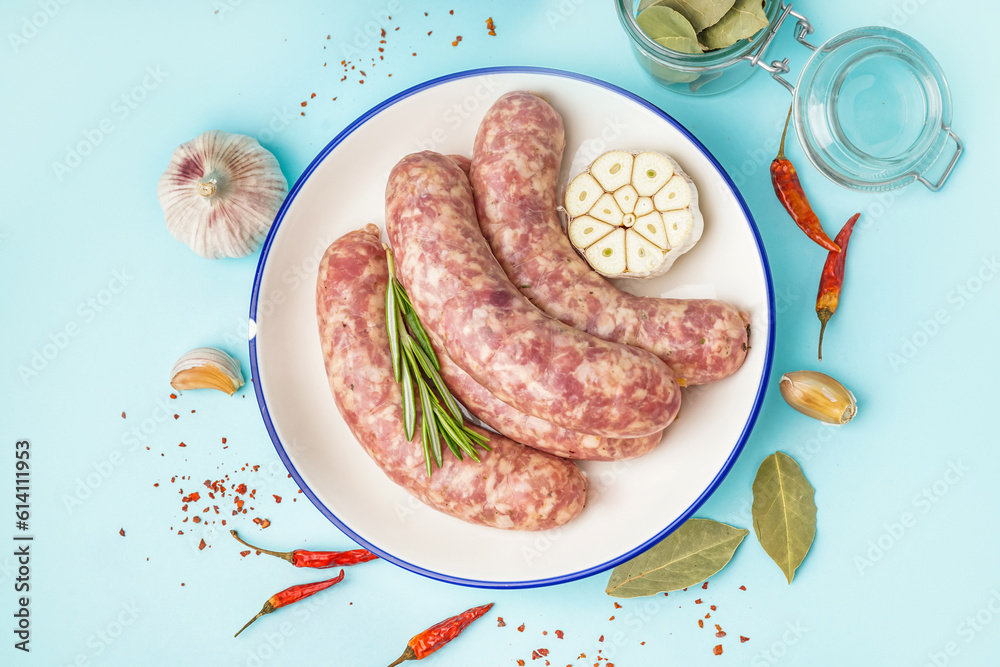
383,33
191,498
545,632
122,532
718,631
201,545
123,415
500,622
520,628
701,623
520,663
704,586
708,616
601,638
743,588
312,96
304,103
698,601
559,634
451,11
302,113
457,40
277,498
612,618
156,484
241,489
429,32
173,395
717,650
182,445
617,606
712,607
177,416
540,653
196,519
491,28
743,639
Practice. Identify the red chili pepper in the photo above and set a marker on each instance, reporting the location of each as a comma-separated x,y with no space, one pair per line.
290,595
316,559
436,636
832,280
793,197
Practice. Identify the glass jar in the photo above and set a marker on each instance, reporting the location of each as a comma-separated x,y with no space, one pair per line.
695,73
871,106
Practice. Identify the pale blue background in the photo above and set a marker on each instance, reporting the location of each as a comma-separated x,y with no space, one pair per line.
253,63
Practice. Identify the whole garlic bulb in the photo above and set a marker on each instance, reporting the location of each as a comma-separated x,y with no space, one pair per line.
220,194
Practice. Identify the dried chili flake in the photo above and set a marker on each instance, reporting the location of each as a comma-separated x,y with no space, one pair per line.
701,623
743,588
718,631
122,532
540,653
712,607
520,628
196,519
451,11
277,498
698,601
312,96
429,32
601,638
177,416
545,632
304,103
156,484
500,623
182,445
123,415
743,639
190,499
241,489
173,395
383,32
520,662
612,618
617,606
559,634
717,650
708,616
704,586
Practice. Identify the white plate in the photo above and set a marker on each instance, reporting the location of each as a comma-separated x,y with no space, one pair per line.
631,505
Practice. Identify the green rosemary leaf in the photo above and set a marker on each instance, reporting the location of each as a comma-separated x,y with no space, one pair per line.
435,377
391,325
428,417
425,439
409,409
420,335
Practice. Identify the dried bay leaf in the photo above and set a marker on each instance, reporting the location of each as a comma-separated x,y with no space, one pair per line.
784,512
700,13
744,20
647,3
688,556
669,28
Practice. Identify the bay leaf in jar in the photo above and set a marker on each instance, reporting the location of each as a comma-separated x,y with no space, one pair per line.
744,20
669,28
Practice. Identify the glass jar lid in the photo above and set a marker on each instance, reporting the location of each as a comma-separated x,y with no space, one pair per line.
873,112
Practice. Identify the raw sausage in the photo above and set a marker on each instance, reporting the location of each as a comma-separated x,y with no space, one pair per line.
523,357
533,431
515,167
513,487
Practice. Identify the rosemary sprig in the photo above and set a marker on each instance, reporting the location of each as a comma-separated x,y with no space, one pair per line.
416,368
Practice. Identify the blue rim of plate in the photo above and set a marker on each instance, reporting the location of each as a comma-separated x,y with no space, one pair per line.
573,576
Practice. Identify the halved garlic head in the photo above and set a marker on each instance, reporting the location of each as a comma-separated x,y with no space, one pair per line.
631,215
220,194
207,368
819,396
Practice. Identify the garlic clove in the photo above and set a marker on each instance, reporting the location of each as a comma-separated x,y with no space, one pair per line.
819,396
207,368
220,194
651,226
678,225
626,196
607,255
584,230
581,194
674,195
613,169
644,206
640,254
650,172
606,210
